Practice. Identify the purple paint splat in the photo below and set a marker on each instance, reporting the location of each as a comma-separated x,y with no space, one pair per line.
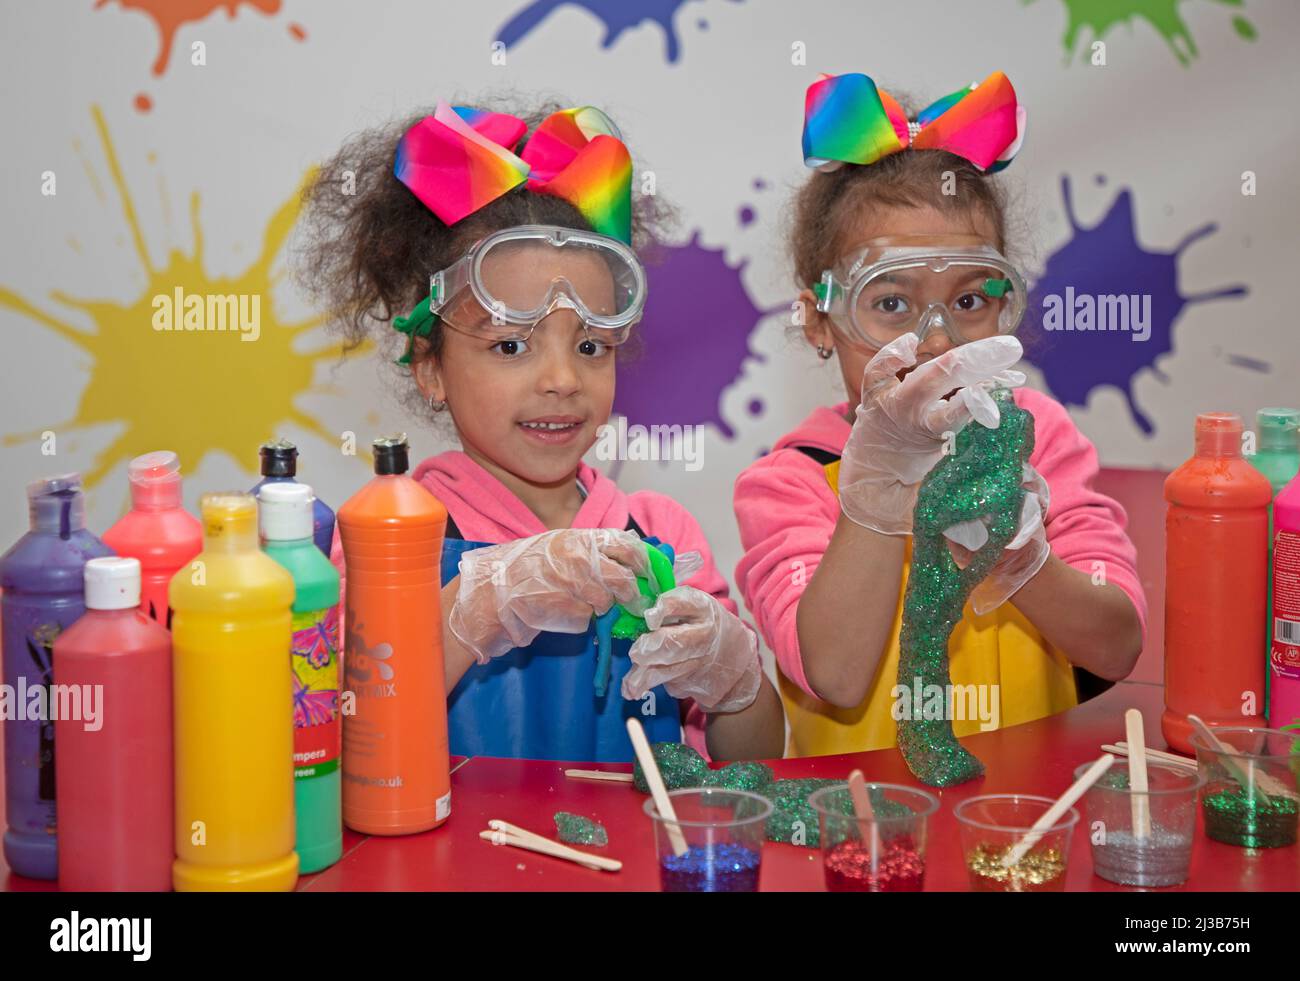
617,16
755,407
1108,260
759,184
746,215
695,333
1251,364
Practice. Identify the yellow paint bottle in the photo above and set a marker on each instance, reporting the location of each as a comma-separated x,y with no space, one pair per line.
231,633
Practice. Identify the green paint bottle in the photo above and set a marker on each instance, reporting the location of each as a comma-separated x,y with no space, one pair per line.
285,525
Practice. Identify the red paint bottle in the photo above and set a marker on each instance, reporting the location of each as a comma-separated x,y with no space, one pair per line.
113,668
1216,584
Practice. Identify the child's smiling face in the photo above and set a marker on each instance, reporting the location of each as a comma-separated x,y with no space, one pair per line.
530,406
950,228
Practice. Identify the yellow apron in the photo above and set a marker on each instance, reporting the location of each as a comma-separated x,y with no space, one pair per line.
1026,679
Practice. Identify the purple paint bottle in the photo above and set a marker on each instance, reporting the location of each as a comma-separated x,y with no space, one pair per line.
42,581
279,461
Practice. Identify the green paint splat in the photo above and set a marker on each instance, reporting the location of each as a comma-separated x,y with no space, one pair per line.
1098,17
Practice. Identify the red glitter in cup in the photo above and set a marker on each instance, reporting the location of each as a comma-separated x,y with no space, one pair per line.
899,867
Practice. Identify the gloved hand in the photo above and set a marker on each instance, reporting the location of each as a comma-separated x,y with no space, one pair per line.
1024,555
698,649
555,581
899,433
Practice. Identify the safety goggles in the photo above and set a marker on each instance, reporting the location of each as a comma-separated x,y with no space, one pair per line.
515,278
882,291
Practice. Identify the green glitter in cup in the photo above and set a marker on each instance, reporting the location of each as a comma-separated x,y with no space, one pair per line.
1234,816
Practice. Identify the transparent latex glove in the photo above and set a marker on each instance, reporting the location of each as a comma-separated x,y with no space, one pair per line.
697,649
1025,554
554,581
902,426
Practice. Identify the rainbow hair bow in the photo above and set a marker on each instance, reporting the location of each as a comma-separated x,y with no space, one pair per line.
460,159
847,119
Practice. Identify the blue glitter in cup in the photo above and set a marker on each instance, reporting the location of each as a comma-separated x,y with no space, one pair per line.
723,867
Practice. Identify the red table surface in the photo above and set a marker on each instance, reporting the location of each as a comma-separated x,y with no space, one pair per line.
1037,757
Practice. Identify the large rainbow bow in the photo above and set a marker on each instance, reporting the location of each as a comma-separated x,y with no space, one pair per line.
460,159
848,120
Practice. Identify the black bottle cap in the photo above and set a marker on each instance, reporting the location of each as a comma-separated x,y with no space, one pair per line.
392,454
279,458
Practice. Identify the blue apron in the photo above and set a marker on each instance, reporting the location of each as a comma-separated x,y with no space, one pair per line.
539,702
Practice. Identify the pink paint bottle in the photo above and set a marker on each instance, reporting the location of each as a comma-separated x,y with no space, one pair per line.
157,530
1284,632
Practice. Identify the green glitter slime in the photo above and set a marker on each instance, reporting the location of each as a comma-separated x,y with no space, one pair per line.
1235,817
574,829
980,480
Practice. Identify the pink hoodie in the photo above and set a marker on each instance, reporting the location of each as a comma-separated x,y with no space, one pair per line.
787,511
486,511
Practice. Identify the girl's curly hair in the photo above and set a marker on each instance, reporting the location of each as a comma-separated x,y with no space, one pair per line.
365,246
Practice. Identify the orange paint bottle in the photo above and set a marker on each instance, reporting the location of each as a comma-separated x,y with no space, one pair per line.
396,764
1216,584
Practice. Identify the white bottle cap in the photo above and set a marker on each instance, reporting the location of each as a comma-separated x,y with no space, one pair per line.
284,511
112,583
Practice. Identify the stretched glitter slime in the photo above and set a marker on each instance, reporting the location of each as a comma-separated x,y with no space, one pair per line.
620,622
981,480
574,829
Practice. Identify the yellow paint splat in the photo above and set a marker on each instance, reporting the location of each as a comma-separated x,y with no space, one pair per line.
193,391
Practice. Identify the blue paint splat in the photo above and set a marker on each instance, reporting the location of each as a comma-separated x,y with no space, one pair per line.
746,215
1107,260
695,331
617,16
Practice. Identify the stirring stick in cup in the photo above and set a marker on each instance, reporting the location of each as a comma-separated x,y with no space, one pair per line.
1253,783
865,814
1137,774
663,803
1153,755
1053,813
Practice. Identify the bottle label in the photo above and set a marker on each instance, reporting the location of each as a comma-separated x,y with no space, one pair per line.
315,664
1286,605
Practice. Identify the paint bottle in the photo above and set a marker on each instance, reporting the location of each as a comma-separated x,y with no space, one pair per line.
285,522
233,706
1277,457
115,762
1216,581
396,776
43,594
1284,660
279,464
157,530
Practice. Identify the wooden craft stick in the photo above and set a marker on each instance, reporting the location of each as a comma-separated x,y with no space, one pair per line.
1153,755
1053,813
1137,774
865,814
598,775
544,846
663,803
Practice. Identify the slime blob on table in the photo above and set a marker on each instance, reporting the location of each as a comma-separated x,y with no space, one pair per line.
981,481
574,829
620,622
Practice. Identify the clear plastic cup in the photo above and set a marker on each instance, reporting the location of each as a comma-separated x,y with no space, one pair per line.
1249,793
883,854
723,832
1122,850
993,824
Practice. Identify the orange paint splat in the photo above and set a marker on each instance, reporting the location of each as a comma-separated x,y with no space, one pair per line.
192,391
170,15
297,32
143,103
